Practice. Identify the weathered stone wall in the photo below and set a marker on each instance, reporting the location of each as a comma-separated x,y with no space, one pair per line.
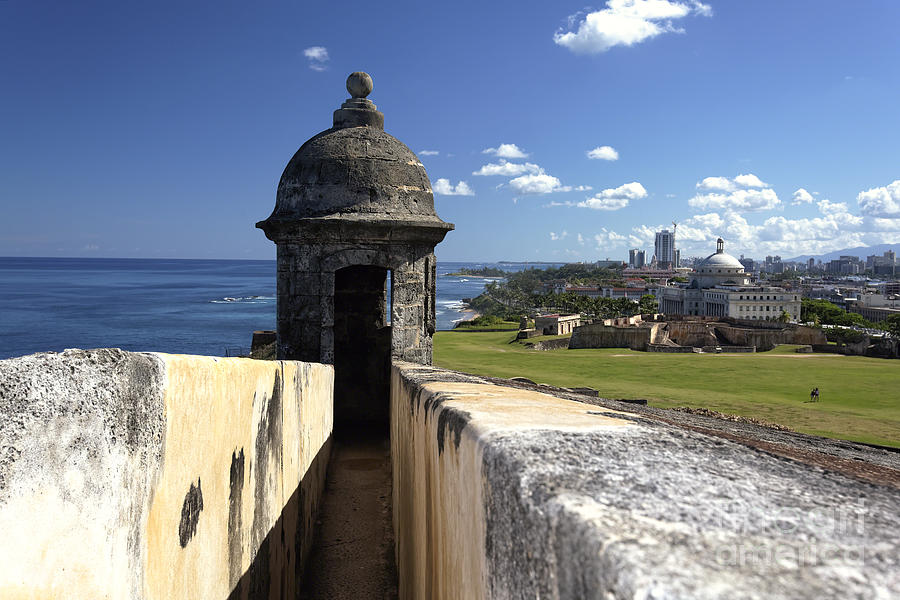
690,333
557,344
667,349
729,349
884,348
697,333
504,492
602,336
766,339
128,475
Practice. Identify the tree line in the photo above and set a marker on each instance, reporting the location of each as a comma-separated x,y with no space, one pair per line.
823,312
509,304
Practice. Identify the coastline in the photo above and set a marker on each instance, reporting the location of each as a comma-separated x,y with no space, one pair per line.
472,276
470,314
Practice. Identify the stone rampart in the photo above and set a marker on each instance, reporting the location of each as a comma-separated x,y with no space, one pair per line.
503,492
667,349
729,349
766,339
692,333
141,476
557,344
603,336
697,332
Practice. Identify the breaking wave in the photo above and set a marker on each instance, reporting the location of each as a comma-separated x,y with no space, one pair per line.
244,300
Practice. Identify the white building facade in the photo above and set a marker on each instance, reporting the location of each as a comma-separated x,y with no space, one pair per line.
720,287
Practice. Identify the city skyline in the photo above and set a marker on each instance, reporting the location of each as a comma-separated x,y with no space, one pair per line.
549,132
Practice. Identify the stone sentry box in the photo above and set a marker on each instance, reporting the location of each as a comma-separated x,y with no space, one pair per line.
353,204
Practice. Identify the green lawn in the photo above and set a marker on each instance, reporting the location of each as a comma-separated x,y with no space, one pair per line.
511,325
860,397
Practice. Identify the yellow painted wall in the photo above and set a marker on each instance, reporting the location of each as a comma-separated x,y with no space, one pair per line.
97,500
217,409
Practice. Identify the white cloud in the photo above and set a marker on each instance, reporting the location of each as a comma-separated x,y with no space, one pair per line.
627,22
709,220
827,207
744,193
581,239
835,229
527,178
508,169
609,239
560,236
506,151
789,233
716,183
801,196
889,225
741,200
538,183
603,153
429,152
444,188
750,180
615,198
723,184
881,202
317,56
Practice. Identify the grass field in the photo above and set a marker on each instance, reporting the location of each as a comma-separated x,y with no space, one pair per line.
860,397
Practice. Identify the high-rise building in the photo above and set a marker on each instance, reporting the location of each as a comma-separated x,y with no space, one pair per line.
636,258
845,265
883,265
665,249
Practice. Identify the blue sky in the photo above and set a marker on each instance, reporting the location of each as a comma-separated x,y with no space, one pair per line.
161,129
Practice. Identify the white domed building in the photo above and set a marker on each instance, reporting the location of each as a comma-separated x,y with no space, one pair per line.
719,287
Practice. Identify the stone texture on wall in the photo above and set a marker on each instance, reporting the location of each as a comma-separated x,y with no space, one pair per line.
766,339
502,492
696,332
127,475
546,345
602,336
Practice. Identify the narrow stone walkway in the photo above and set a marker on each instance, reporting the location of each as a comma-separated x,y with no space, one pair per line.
353,552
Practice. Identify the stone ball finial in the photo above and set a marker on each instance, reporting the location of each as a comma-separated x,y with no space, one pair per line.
359,84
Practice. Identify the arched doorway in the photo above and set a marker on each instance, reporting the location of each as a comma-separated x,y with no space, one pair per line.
362,347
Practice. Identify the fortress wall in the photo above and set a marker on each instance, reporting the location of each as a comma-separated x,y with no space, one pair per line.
766,339
558,344
691,333
504,492
126,475
602,336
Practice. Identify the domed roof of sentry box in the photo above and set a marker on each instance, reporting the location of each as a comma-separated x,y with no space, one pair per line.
355,172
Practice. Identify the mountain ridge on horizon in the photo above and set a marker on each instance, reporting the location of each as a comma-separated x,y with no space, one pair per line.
860,251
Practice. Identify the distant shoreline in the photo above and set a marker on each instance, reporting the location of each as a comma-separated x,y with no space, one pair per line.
471,315
531,262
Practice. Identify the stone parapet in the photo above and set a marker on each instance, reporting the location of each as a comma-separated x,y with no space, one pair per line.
505,492
131,475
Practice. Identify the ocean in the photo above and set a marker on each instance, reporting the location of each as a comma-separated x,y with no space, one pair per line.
208,307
